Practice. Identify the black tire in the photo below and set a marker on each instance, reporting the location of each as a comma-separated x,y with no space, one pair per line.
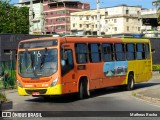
87,92
130,84
83,90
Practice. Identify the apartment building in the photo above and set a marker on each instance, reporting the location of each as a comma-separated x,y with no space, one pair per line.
150,26
57,14
114,21
85,22
36,18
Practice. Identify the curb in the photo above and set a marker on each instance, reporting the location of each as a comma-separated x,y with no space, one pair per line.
144,97
149,99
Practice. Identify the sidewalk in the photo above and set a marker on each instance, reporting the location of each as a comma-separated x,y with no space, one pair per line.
151,94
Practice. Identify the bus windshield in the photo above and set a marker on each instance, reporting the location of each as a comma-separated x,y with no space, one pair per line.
37,63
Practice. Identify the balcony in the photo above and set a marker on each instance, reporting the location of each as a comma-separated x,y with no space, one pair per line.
123,15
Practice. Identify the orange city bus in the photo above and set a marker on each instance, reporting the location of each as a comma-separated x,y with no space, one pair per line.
63,65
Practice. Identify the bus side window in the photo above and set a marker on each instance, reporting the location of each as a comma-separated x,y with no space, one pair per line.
81,53
107,51
94,52
147,52
119,52
67,64
130,51
140,51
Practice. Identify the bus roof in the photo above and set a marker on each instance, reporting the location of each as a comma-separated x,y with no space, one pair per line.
90,39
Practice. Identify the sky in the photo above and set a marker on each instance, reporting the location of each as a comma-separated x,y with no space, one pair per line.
110,3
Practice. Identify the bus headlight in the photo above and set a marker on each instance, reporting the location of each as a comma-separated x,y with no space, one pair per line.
54,82
19,84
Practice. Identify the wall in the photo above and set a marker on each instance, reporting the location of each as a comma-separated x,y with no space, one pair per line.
10,42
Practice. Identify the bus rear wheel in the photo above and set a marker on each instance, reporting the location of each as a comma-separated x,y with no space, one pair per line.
83,90
130,85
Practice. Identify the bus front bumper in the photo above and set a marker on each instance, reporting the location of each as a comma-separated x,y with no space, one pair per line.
55,90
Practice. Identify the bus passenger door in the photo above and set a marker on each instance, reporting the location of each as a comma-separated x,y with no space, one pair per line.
67,72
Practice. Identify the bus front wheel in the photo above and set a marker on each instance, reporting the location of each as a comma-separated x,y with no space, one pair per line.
130,84
83,90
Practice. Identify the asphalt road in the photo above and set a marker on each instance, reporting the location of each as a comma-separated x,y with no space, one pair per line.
110,99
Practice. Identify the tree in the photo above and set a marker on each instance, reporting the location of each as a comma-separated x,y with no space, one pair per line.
13,19
156,3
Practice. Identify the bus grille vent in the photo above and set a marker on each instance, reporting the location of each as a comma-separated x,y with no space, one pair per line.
41,91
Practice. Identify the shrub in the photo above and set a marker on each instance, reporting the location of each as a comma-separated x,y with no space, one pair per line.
156,67
3,97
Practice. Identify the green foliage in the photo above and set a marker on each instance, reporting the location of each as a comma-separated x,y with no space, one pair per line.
3,97
13,19
156,67
156,3
8,74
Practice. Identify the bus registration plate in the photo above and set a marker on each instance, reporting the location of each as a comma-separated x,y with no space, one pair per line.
35,93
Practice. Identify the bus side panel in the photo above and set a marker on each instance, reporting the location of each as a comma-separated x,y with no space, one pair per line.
107,74
116,72
96,76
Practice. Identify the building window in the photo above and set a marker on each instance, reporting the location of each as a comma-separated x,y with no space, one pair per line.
92,17
127,12
67,19
139,28
74,25
115,29
81,17
7,51
67,11
51,13
127,19
127,28
138,13
106,21
61,12
87,17
60,27
68,27
94,52
60,19
80,25
106,13
115,20
81,53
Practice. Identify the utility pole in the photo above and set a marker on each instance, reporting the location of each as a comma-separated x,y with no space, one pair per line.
31,16
98,18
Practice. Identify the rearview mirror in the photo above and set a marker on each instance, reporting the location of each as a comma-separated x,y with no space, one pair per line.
153,50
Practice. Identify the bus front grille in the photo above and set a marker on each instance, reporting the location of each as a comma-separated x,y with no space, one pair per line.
41,91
